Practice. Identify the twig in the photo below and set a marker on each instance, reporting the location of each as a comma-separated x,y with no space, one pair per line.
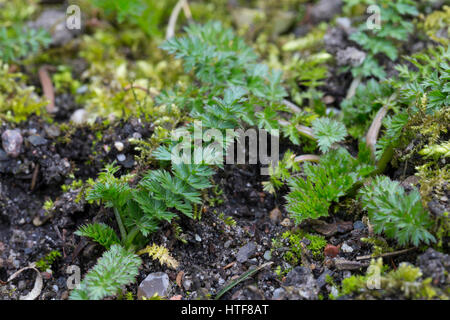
47,88
387,254
34,178
181,4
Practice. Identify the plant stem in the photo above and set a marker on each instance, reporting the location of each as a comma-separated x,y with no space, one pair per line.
307,157
123,232
133,233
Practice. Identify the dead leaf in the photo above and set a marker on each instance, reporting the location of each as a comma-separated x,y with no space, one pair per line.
179,278
229,265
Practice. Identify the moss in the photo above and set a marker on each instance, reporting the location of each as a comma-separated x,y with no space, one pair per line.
406,281
63,80
17,100
436,23
316,245
46,262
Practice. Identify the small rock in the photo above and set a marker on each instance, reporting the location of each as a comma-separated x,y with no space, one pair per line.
136,135
346,248
12,142
358,225
121,157
279,294
344,23
187,284
435,265
65,295
286,223
52,131
246,252
119,146
79,116
198,238
350,56
268,255
54,21
36,140
275,215
325,10
227,243
436,208
3,155
155,283
300,284
322,280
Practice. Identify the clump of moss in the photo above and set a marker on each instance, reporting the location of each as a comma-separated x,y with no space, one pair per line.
46,262
406,281
437,25
120,87
316,245
17,100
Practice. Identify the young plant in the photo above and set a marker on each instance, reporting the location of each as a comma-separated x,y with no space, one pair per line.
336,173
116,268
17,42
398,215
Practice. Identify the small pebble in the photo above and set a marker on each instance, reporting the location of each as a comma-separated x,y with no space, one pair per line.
118,145
12,142
36,140
79,116
121,157
346,248
358,225
286,223
198,238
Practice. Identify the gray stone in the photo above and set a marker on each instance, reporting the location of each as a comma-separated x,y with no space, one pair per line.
119,146
79,116
121,157
279,294
346,248
36,140
344,23
300,284
3,155
322,280
155,283
325,10
12,142
187,284
228,243
358,225
54,22
268,255
350,56
52,131
435,265
246,252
